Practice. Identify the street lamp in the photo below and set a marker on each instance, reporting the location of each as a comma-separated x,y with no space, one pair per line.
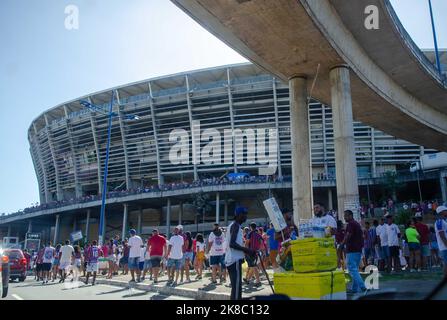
110,115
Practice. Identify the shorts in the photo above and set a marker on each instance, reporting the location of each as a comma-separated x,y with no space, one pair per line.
111,258
38,267
56,262
217,260
77,263
92,267
147,264
155,262
134,263
124,260
384,252
64,265
367,252
252,261
394,251
188,255
176,263
273,254
425,250
46,267
443,255
434,246
141,265
414,246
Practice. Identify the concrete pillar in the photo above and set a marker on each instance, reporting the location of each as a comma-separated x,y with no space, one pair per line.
30,226
87,224
345,160
329,199
443,184
301,159
56,230
180,214
140,215
226,212
217,207
9,231
168,218
124,230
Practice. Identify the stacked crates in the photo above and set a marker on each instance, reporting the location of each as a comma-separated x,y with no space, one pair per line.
314,275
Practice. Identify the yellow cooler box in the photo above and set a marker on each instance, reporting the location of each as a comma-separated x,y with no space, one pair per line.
311,286
314,255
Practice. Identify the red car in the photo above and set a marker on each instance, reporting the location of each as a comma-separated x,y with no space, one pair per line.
17,264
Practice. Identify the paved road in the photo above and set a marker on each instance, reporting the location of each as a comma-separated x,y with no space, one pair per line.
32,290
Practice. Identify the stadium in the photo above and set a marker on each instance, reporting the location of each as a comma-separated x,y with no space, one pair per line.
146,189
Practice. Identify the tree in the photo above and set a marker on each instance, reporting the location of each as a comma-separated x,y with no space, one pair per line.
201,203
392,185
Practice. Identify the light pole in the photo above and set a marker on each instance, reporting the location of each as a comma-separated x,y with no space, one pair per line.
110,115
435,38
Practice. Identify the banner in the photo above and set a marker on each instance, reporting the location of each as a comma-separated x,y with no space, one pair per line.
75,236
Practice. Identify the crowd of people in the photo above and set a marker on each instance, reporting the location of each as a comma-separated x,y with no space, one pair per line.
380,242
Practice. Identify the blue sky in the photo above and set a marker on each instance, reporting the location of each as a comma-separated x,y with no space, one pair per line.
42,64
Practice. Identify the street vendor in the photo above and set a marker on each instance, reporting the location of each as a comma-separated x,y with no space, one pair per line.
323,219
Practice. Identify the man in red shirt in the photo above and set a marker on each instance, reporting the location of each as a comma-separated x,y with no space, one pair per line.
424,232
156,245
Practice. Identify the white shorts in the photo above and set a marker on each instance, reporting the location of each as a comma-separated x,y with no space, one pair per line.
64,265
77,263
92,267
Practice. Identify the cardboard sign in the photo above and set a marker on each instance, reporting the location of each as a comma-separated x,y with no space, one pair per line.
75,236
275,214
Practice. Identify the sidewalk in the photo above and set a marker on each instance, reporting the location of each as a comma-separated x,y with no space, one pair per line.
196,289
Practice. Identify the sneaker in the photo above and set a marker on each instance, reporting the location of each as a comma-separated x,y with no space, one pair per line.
246,281
174,284
258,284
412,270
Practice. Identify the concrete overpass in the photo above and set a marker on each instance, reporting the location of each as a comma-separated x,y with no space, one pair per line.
379,76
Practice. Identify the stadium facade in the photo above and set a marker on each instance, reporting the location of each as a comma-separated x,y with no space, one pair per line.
68,147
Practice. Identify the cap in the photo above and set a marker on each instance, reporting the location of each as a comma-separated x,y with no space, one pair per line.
154,230
441,209
240,210
132,231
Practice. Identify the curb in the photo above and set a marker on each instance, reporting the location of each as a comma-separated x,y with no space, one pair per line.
196,294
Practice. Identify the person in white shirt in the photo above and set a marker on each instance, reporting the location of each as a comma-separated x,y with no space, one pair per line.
135,243
393,235
67,252
384,251
216,249
324,220
175,256
441,235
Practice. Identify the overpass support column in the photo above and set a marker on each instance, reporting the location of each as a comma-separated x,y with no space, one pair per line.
125,205
168,218
345,160
9,231
140,216
301,158
56,230
30,226
87,225
75,224
217,207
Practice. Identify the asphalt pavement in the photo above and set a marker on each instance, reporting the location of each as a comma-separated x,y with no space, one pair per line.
33,290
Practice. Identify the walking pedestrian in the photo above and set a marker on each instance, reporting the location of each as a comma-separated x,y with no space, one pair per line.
157,248
441,234
235,252
200,255
56,263
135,243
175,256
67,252
273,246
412,237
254,243
92,256
48,255
216,249
77,263
424,232
354,244
393,235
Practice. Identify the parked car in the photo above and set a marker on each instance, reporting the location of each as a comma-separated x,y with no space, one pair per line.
4,274
17,264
